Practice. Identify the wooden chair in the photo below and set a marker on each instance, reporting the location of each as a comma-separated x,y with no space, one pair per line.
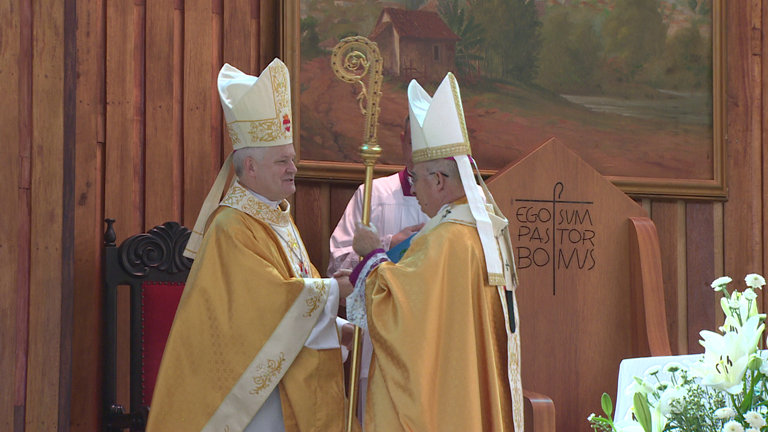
154,269
591,291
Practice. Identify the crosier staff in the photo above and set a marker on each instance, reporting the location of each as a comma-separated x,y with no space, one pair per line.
352,59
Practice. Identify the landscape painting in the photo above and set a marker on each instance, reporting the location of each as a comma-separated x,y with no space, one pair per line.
626,84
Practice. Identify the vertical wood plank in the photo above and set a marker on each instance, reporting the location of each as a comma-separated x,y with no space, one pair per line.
719,241
178,110
10,111
68,214
270,36
700,258
742,212
665,216
139,110
87,343
682,279
237,37
341,193
201,163
24,213
764,126
217,46
255,41
311,217
120,187
161,196
45,294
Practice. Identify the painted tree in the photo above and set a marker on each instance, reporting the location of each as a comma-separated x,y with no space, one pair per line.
635,34
513,38
572,53
461,19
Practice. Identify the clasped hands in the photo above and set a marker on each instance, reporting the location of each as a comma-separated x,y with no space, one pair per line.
367,240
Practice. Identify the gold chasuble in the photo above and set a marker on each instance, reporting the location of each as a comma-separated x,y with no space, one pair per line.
442,353
250,303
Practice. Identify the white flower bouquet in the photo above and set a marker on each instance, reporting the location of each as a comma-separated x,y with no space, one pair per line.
726,389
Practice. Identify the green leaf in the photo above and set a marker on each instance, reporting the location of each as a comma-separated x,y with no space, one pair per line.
642,411
605,401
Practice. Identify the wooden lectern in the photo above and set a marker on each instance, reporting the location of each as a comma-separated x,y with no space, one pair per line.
590,290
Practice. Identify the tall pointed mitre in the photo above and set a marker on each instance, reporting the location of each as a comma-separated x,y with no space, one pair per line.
438,131
258,114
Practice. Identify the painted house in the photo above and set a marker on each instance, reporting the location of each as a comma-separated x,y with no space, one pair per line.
415,44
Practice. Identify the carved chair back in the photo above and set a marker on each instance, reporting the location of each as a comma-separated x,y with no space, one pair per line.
152,266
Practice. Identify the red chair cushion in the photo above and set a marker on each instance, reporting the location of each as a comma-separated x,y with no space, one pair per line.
159,301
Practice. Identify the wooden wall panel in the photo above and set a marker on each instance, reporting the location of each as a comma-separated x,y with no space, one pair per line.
45,295
763,139
24,204
743,211
700,271
89,205
122,192
341,193
121,184
312,219
201,161
10,194
163,158
238,36
666,216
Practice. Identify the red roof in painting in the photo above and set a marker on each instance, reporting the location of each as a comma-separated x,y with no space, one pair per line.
414,24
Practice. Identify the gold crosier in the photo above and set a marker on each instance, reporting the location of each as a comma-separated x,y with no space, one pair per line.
352,59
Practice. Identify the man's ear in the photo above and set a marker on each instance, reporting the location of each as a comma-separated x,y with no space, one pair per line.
249,166
439,180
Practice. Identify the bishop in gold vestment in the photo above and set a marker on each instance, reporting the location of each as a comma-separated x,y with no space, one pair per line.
254,344
445,357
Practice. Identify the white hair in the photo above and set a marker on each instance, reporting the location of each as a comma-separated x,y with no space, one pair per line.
447,167
255,153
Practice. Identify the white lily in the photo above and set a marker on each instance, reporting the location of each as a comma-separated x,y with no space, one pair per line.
628,426
724,362
738,309
639,385
658,422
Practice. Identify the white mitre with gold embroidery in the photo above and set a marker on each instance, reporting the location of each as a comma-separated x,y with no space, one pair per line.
258,114
438,131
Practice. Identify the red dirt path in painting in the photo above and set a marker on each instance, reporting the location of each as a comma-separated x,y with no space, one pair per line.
504,122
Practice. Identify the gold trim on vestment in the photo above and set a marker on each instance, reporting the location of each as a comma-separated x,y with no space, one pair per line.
273,368
459,109
240,198
441,152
